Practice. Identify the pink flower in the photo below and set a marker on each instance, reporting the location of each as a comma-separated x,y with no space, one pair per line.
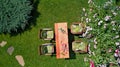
92,64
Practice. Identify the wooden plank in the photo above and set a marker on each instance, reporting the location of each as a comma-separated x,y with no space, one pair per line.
61,37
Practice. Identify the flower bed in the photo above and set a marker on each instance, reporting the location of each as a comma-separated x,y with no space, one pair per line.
104,19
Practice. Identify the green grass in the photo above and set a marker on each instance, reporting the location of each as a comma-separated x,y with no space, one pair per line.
26,43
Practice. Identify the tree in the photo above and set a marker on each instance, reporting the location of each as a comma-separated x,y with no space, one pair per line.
14,15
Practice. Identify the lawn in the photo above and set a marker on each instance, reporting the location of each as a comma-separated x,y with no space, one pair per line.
46,13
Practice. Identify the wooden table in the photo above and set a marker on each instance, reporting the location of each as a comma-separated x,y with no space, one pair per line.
61,37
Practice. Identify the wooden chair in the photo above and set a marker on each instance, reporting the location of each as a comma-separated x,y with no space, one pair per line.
46,34
79,47
46,49
78,28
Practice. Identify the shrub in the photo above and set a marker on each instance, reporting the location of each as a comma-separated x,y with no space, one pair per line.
14,15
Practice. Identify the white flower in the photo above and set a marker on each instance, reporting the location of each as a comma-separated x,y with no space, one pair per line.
95,15
95,41
105,25
114,13
89,51
85,14
84,34
84,9
87,20
89,1
108,3
88,45
85,59
113,23
107,18
117,36
117,43
91,9
118,7
89,28
95,46
113,29
99,23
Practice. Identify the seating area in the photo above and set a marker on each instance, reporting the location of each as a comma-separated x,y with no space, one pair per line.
61,45
60,33
61,40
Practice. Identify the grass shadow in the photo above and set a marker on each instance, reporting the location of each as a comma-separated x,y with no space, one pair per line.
71,39
118,2
34,12
32,21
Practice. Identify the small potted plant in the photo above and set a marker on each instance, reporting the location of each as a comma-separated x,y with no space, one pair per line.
78,28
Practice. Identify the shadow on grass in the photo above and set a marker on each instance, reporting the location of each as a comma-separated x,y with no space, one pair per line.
32,21
118,2
71,39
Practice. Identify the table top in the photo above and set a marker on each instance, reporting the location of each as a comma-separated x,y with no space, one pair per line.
61,37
